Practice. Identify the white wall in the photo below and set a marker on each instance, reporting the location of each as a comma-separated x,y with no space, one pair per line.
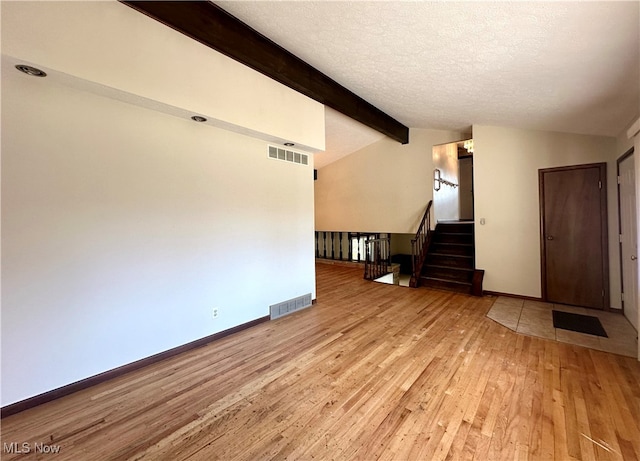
623,144
630,137
506,164
384,187
109,44
123,227
446,200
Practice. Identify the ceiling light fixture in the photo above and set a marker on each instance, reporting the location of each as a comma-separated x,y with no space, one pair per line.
469,146
289,144
31,70
198,118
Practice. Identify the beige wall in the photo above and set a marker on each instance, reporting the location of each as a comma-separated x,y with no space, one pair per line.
401,243
384,187
506,164
466,188
124,227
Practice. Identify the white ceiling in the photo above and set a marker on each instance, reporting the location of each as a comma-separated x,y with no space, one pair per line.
559,66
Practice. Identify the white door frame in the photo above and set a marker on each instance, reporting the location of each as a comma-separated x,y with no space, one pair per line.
634,132
628,248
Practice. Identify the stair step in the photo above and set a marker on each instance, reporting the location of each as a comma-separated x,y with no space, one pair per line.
459,249
455,227
450,262
460,287
453,274
445,260
449,237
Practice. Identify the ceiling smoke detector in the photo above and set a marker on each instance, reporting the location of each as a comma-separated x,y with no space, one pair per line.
29,70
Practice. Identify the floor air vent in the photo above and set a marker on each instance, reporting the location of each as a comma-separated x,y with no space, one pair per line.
292,305
278,153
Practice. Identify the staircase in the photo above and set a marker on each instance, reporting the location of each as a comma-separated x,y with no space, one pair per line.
449,262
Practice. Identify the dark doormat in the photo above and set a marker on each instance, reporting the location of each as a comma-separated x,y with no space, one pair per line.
578,322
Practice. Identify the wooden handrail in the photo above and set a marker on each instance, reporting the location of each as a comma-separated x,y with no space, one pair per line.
420,245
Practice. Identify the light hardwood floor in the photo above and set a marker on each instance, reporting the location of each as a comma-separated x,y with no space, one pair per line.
372,371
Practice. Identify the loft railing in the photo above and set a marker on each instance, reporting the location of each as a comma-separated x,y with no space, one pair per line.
378,256
343,246
420,245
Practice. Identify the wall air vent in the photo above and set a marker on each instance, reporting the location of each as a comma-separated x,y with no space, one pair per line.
278,153
292,305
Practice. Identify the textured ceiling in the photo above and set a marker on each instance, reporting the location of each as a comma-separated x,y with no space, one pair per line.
560,66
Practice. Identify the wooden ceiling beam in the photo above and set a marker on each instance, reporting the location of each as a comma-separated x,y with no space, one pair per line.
214,27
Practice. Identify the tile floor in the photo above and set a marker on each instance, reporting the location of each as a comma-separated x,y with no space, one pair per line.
388,279
534,318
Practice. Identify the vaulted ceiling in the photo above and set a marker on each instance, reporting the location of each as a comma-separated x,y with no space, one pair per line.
559,66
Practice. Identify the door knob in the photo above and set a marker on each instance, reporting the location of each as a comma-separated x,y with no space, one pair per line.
549,237
633,257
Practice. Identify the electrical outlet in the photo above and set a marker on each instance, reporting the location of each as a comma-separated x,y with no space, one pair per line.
215,312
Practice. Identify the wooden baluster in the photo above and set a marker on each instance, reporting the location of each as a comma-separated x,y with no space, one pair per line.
365,239
381,257
333,245
324,245
366,263
371,252
385,253
317,249
341,245
388,247
368,258
413,256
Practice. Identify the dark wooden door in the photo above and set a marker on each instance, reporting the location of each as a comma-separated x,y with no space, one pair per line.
574,235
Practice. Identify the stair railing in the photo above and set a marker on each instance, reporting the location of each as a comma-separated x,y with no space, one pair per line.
377,259
420,245
342,246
